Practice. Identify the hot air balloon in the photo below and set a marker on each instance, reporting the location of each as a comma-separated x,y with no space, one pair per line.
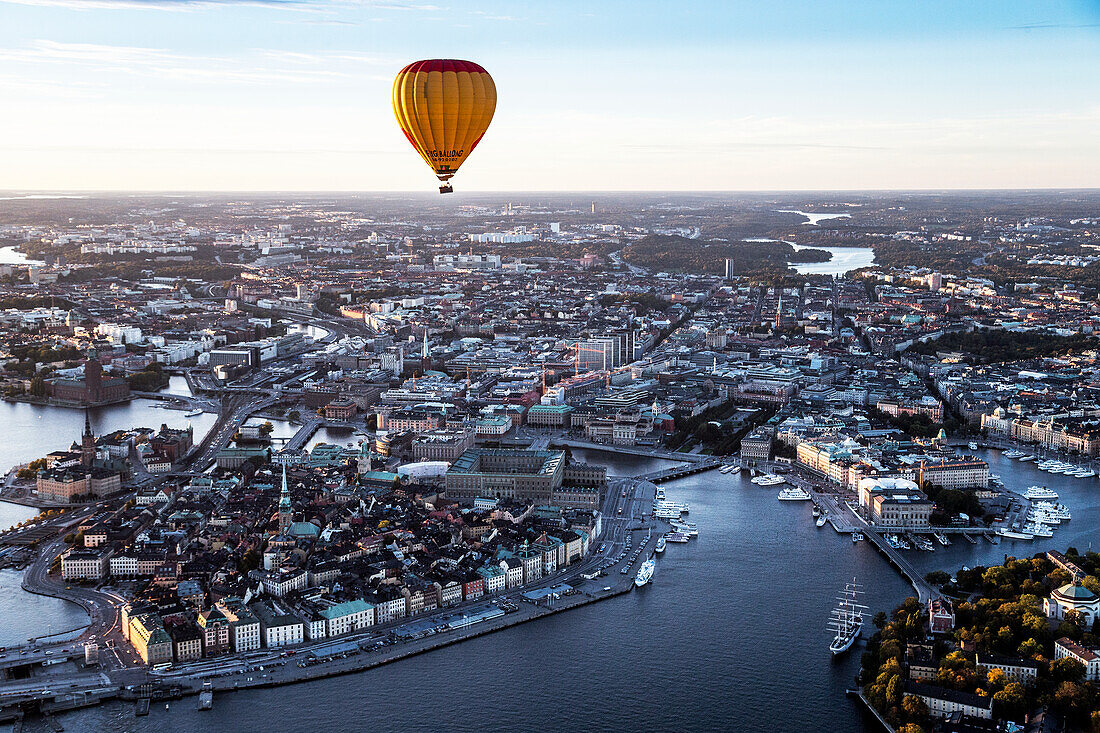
444,107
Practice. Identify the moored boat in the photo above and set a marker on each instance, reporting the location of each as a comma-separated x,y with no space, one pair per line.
645,573
846,620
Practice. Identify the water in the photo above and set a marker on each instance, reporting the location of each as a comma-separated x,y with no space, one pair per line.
26,615
12,256
814,218
844,259
31,431
618,464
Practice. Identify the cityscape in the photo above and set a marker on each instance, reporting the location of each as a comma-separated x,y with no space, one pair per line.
780,438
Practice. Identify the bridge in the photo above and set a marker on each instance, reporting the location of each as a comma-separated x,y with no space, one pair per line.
300,438
671,474
925,590
632,450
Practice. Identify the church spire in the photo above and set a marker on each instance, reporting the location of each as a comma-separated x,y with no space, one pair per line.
284,506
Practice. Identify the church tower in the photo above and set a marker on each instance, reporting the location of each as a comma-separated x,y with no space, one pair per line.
284,507
87,443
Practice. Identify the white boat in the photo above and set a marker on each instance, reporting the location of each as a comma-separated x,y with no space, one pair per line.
923,543
1027,458
941,538
735,470
192,413
972,445
1040,492
846,620
822,519
678,537
1038,530
794,494
857,537
1012,453
768,479
1014,534
660,545
645,573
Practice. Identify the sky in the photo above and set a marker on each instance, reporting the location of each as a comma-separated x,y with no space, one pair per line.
294,95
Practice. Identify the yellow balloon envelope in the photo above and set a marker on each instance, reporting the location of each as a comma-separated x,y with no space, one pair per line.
444,107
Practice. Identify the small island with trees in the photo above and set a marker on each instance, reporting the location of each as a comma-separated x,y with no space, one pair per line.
999,645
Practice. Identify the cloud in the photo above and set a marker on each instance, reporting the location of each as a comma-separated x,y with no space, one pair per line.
183,5
1046,25
257,66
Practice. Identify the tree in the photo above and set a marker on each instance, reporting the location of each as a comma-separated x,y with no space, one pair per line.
1067,669
38,387
914,707
879,620
294,415
910,728
1010,702
249,561
267,428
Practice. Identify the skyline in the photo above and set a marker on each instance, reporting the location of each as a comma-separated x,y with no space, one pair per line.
176,95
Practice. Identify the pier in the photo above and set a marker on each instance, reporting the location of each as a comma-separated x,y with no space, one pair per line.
925,590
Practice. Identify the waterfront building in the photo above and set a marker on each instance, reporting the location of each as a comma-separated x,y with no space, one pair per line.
506,473
149,639
186,641
67,485
757,445
343,618
943,702
895,503
84,564
244,625
278,627
215,630
91,389
1068,648
1072,597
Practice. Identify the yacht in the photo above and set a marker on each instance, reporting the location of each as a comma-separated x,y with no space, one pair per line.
660,545
923,543
768,479
941,538
1014,534
735,470
972,445
794,494
1027,458
1039,530
645,573
1012,453
1040,492
192,413
822,519
857,537
677,537
846,620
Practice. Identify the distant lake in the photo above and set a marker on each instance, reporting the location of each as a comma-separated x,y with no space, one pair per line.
12,256
814,218
844,259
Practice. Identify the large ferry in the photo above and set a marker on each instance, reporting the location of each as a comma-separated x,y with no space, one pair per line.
768,479
645,573
1040,492
794,494
846,620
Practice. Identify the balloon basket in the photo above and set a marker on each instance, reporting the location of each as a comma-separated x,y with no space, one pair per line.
446,188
